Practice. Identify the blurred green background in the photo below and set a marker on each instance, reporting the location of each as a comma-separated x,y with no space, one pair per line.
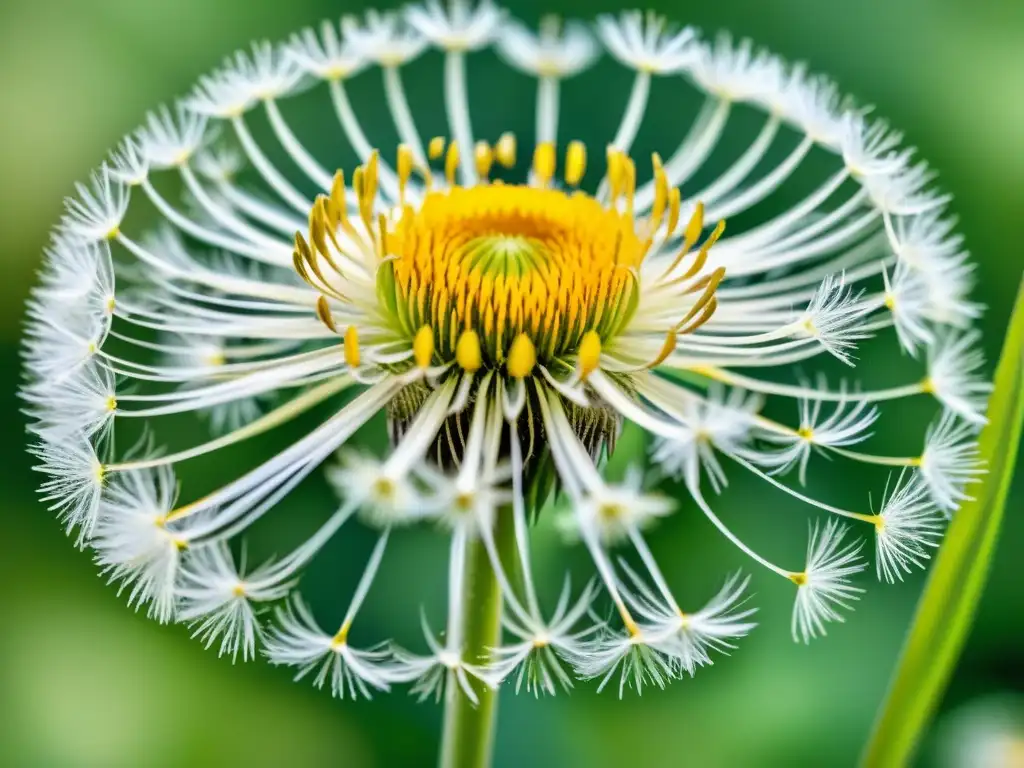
85,682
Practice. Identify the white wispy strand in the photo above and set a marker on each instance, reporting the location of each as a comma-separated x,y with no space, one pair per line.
723,420
954,374
908,297
75,481
169,137
324,53
733,71
296,640
128,164
246,78
536,657
460,26
615,510
384,38
76,277
556,51
825,587
647,42
835,317
809,102
951,460
215,597
81,404
134,544
905,191
713,628
98,210
870,148
847,423
907,528
932,249
637,662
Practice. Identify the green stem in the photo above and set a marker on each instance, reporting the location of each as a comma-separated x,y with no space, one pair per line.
468,738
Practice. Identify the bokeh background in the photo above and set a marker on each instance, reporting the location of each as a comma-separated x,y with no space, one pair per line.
85,682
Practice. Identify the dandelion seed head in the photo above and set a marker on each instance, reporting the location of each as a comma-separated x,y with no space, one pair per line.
501,307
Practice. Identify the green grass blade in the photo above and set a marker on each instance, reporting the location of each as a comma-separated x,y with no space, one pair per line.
946,610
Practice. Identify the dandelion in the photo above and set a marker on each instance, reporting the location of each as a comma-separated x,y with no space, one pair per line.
508,303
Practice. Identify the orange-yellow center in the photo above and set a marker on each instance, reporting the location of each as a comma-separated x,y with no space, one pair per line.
503,260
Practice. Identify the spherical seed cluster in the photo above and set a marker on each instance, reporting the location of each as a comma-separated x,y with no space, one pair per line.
514,325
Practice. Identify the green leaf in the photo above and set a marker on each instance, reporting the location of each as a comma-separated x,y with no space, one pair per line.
947,607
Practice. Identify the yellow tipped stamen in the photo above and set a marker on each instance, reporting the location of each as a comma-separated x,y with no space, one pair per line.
702,255
484,158
590,353
615,174
436,147
629,183
544,162
707,310
675,198
575,163
404,164
505,150
451,162
468,353
323,312
522,357
423,347
352,356
671,340
690,237
660,192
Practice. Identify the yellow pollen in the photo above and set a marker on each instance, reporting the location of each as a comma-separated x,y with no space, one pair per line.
544,162
505,260
423,347
800,579
590,353
575,163
111,305
505,150
111,403
352,356
239,590
436,147
928,386
522,357
467,352
484,158
451,162
890,302
806,433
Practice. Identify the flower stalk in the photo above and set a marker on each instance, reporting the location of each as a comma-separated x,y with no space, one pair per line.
468,737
